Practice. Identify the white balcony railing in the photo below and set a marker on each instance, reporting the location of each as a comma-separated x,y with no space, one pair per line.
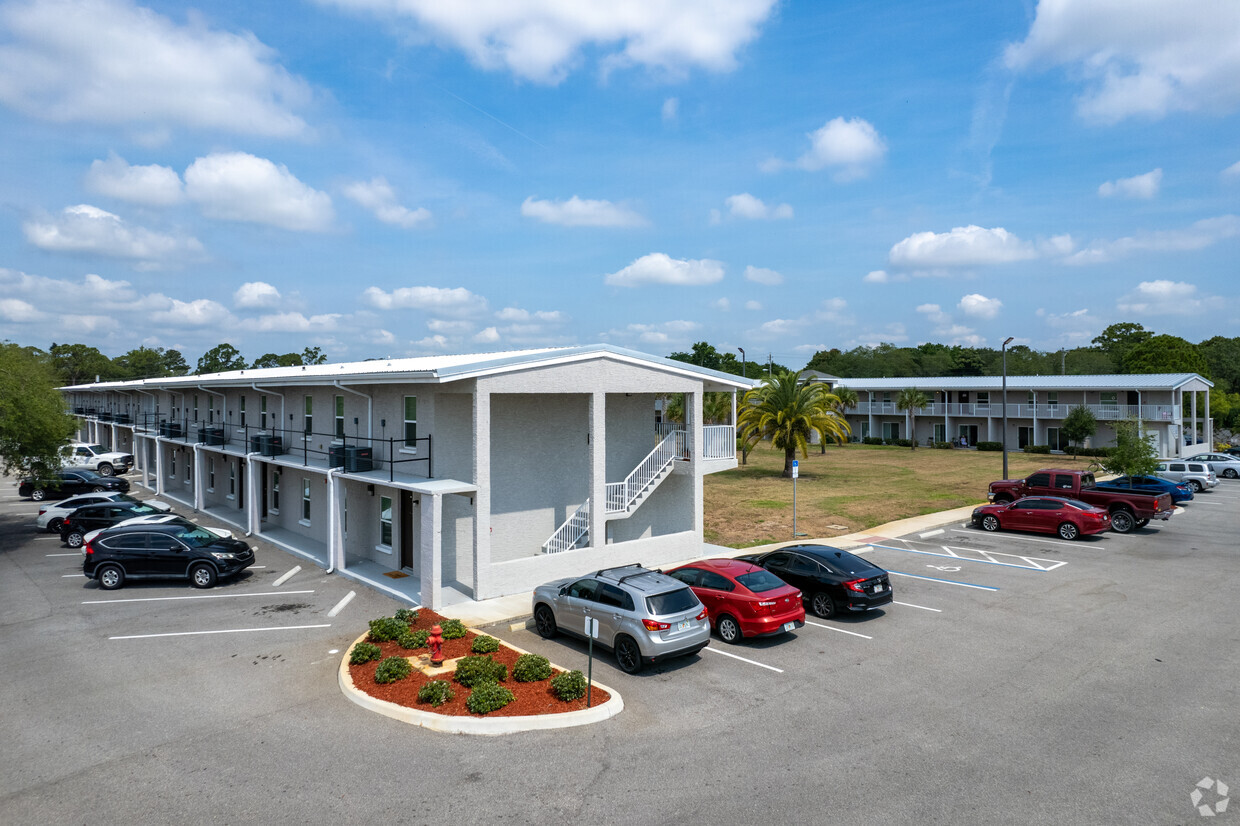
1104,412
718,441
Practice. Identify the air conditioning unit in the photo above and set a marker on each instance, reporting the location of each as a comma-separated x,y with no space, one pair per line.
211,435
335,454
170,430
358,459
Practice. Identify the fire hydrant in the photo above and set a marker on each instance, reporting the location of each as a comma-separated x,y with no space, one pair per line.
435,643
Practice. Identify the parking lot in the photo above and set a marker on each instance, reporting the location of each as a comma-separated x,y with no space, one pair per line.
1017,678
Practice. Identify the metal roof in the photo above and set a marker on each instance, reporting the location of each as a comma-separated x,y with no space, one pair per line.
425,369
1113,381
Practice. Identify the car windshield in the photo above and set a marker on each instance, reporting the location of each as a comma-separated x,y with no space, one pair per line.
88,475
760,581
1078,504
124,497
196,537
672,602
845,562
97,449
142,510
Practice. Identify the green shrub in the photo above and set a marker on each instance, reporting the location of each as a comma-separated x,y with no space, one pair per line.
386,629
1037,448
484,645
436,692
453,629
990,445
413,639
392,669
943,445
570,685
364,652
407,615
488,697
531,668
474,671
872,440
902,442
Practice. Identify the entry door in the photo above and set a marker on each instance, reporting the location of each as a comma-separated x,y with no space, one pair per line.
406,529
969,431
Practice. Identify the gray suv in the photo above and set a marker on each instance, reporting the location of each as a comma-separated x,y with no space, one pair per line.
644,616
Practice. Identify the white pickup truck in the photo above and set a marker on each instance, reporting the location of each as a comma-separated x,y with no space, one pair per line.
98,458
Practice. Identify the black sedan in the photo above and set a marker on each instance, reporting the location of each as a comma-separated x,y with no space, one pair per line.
75,526
70,483
170,551
831,581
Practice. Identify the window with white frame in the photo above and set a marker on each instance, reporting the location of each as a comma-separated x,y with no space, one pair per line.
1052,398
385,521
210,409
172,465
195,407
1110,399
309,415
210,473
305,501
241,409
262,404
340,417
232,480
411,422
189,467
275,490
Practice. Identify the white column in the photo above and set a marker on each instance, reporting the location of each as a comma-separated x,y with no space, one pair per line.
482,496
1196,437
159,467
253,490
598,469
432,550
694,408
196,479
1209,422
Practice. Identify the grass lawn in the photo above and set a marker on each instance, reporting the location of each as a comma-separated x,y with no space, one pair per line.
851,488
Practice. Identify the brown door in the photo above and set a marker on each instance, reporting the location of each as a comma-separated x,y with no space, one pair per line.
406,529
263,475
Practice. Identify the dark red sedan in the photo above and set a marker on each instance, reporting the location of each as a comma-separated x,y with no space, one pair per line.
1069,518
743,599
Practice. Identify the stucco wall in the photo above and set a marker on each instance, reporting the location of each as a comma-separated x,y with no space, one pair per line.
669,509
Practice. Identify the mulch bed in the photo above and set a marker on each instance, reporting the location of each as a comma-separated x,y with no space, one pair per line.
531,698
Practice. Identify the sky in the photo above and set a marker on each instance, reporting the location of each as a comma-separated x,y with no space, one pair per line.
383,178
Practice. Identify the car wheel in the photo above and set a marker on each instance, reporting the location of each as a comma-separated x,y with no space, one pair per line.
822,605
1230,473
54,525
544,621
110,577
729,630
1002,500
1122,522
98,489
990,522
1069,531
1196,486
1141,523
38,494
628,655
202,575
74,539
104,469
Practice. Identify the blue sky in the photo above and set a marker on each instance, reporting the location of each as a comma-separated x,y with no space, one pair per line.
399,177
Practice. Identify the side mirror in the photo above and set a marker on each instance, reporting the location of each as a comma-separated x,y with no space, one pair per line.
563,590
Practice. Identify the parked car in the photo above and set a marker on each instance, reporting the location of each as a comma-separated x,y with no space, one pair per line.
1129,509
75,526
1179,491
1070,518
52,514
1228,467
173,551
831,581
1232,451
643,616
1196,475
744,600
70,483
161,519
99,459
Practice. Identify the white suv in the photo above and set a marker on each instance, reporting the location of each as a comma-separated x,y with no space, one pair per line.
99,459
1221,463
1197,475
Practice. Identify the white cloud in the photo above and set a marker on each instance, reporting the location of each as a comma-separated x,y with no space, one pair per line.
747,206
658,268
1139,186
517,314
578,212
1200,235
722,304
490,335
1057,246
753,305
960,335
87,229
256,294
969,246
151,185
934,312
979,306
1139,57
761,275
543,40
778,328
1232,171
876,277
456,301
16,311
1161,297
665,335
113,62
450,328
236,186
294,322
432,343
834,311
200,312
849,147
377,196
671,109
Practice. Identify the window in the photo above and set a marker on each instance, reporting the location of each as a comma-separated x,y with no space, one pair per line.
891,430
1040,480
613,597
583,589
172,468
189,467
940,432
689,576
385,521
1052,397
305,501
1109,399
210,409
210,474
983,397
411,422
241,409
262,404
309,418
1033,397
275,490
715,582
1063,481
195,407
340,417
802,566
232,480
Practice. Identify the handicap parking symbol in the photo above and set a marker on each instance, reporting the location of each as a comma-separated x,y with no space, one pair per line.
944,568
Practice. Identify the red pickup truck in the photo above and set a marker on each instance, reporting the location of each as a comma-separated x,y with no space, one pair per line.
1128,509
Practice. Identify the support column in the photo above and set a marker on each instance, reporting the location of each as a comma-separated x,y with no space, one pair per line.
432,550
159,466
694,410
196,479
482,497
870,413
598,469
1196,436
253,490
1209,422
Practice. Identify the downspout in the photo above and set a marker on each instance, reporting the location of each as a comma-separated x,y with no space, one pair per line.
369,402
223,409
274,393
333,519
252,491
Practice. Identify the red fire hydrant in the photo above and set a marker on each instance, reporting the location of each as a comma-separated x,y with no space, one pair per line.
435,643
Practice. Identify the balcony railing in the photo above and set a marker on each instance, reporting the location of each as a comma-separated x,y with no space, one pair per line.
718,441
1105,412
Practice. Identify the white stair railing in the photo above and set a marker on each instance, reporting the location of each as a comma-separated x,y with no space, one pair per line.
571,532
620,495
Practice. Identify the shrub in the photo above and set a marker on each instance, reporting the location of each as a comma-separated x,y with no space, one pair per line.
1037,448
570,685
386,629
990,445
413,639
407,615
392,669
872,440
453,629
531,668
474,671
484,645
902,442
488,697
436,692
943,445
364,652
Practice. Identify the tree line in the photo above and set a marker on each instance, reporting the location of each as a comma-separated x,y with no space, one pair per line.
81,364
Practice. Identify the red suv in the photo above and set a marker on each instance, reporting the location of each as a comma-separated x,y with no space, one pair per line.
744,600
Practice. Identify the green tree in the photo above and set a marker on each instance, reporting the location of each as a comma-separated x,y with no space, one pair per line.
313,355
1134,453
785,411
1165,354
911,400
220,359
1117,339
79,364
33,423
1223,357
1079,424
846,399
273,360
174,363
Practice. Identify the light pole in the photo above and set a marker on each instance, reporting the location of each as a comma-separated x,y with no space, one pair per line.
742,352
1004,435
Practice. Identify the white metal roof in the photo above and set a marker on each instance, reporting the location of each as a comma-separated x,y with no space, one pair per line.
1112,381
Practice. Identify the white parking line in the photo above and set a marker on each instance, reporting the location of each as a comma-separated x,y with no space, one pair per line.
922,607
946,581
78,553
45,538
286,577
343,602
1181,510
224,631
841,630
1009,535
67,576
742,659
928,534
200,596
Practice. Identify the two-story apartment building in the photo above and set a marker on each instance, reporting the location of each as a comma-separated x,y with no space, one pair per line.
972,408
441,478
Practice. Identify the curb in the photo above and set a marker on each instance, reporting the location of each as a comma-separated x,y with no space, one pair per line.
487,726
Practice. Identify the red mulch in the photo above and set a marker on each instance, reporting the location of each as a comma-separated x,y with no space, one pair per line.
531,698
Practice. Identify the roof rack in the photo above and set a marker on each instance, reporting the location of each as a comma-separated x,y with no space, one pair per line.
602,571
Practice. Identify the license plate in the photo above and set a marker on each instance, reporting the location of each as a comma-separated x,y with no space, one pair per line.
683,625
790,626
878,589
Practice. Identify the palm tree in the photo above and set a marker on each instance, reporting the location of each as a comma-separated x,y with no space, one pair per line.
912,400
848,401
786,412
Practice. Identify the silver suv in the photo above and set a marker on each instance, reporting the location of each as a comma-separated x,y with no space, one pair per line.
1197,475
644,616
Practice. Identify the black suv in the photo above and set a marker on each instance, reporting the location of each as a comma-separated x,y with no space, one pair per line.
170,551
70,483
75,526
832,581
